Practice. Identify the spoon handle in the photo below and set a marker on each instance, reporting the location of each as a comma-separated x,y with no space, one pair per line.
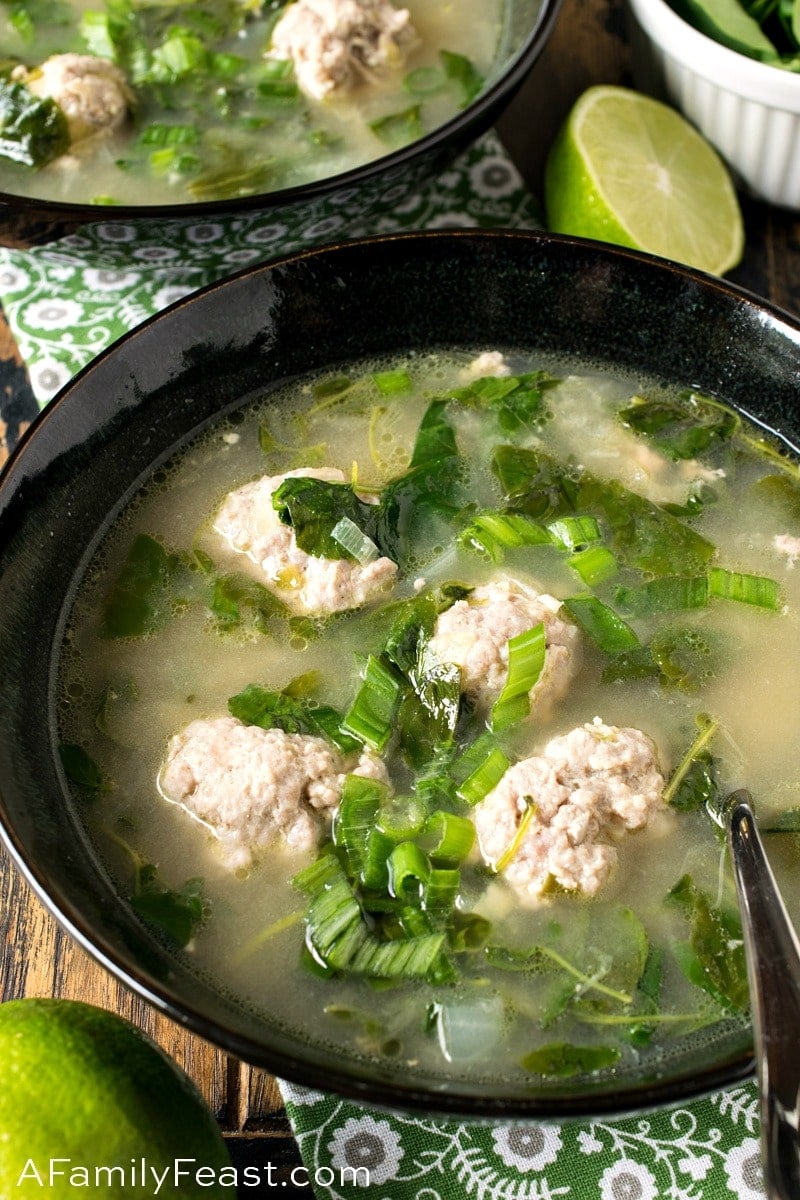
773,966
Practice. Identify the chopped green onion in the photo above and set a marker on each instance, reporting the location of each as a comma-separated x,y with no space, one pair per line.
595,564
408,863
491,533
354,541
448,838
402,817
160,134
441,888
479,769
411,959
526,659
400,128
599,622
356,817
747,589
371,715
576,533
424,81
666,594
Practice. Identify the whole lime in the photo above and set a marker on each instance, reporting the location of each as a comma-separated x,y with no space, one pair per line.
87,1101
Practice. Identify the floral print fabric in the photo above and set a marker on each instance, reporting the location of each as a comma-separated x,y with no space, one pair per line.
70,299
708,1150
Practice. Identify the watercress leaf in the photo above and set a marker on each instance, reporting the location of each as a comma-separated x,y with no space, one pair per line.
634,663
399,128
461,71
565,1058
313,507
785,822
684,657
139,601
533,482
178,914
683,428
81,769
698,787
642,535
714,957
33,130
238,600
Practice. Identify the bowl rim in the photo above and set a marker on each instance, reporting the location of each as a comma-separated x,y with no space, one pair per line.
725,69
644,1095
469,122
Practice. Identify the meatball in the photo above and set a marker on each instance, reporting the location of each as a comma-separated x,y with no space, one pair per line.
334,44
584,791
474,634
253,787
489,363
305,583
92,92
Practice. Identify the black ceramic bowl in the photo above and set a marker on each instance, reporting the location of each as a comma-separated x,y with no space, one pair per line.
528,25
157,387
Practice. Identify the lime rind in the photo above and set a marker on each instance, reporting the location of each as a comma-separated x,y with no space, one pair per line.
627,169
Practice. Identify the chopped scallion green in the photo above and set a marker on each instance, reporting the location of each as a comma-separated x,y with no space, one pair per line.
526,659
757,590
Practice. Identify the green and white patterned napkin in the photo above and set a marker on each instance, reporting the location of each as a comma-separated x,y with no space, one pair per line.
706,1150
66,302
70,299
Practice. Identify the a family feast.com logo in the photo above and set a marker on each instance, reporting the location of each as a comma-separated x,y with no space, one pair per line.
143,1177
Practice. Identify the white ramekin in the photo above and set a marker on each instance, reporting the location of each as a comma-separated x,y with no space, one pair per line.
749,111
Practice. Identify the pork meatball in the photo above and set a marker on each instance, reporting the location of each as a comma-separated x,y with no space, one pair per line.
585,790
474,634
92,92
254,787
336,44
305,583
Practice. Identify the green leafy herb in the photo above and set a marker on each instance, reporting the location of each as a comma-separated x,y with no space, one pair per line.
178,914
81,769
693,782
238,600
713,958
33,130
565,1058
461,71
140,600
683,428
517,401
268,709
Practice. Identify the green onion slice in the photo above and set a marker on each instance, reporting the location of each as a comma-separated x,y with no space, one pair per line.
526,658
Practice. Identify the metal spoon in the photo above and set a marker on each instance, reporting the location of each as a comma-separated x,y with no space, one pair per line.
773,970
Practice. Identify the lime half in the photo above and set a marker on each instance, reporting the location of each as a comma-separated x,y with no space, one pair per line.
627,169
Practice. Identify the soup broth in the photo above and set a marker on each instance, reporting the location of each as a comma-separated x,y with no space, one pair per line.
665,526
213,115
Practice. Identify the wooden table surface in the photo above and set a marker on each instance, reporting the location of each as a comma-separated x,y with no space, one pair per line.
36,957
